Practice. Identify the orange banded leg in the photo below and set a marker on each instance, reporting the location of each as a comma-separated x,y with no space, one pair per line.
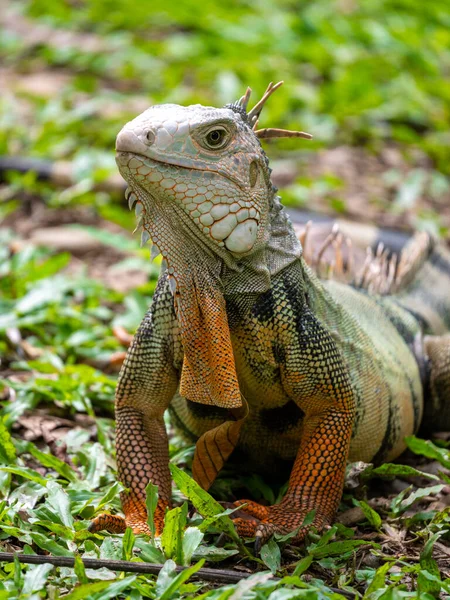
250,515
136,515
316,482
142,456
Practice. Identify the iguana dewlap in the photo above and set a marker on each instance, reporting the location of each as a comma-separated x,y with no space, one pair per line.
247,347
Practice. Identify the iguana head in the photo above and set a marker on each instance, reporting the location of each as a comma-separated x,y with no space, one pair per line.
207,165
200,182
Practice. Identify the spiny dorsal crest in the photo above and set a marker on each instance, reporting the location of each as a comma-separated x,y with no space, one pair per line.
252,117
381,272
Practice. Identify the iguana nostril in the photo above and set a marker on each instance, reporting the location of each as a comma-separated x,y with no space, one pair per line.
150,135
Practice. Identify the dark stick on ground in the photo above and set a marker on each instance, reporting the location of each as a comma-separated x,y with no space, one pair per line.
213,575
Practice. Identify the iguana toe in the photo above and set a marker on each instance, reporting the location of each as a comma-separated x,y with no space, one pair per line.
111,523
261,522
135,518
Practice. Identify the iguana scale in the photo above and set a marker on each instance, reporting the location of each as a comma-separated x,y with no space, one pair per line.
253,354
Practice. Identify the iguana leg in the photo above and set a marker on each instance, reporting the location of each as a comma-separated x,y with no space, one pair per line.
316,378
147,384
437,404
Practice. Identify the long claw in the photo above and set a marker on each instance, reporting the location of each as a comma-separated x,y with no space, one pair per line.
258,542
221,540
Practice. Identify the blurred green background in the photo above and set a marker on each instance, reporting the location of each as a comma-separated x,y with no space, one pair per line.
370,81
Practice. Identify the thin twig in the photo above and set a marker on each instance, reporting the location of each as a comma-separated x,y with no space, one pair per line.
216,575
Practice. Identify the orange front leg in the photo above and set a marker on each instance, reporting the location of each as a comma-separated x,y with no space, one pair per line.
142,456
147,383
316,378
316,483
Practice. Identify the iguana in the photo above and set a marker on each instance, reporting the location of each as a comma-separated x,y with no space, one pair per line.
253,355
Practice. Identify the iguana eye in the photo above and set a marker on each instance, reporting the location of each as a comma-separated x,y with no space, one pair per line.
217,138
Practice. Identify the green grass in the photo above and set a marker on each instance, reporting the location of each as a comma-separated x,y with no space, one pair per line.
371,75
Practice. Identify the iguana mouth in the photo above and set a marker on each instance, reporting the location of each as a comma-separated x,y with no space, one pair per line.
191,166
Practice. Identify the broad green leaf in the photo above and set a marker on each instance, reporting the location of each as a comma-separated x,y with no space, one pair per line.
213,554
26,473
172,535
52,462
289,594
326,537
44,292
303,565
61,531
378,580
391,470
165,577
111,549
112,493
96,466
20,534
128,544
271,555
36,578
428,564
371,515
48,267
47,543
103,589
7,449
428,449
173,583
203,502
58,500
211,521
402,503
337,548
149,553
151,501
192,538
248,584
80,570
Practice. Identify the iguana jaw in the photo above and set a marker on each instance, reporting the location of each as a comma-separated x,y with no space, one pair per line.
228,229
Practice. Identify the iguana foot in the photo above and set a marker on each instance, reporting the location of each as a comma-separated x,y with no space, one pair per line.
263,521
135,518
